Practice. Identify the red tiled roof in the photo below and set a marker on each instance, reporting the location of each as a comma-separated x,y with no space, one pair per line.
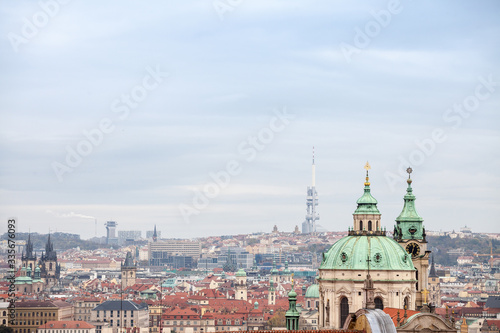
493,322
176,313
393,313
66,324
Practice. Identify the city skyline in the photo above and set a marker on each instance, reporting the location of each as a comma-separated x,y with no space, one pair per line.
201,118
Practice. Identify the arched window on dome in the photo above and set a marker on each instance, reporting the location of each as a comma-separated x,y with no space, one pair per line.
308,304
361,225
369,225
344,310
379,303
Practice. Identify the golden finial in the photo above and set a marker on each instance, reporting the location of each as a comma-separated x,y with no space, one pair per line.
367,167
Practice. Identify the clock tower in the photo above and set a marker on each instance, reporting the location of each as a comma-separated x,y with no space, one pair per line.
409,232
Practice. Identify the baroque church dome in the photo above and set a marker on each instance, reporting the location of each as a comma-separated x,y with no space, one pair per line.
366,246
352,253
312,291
365,269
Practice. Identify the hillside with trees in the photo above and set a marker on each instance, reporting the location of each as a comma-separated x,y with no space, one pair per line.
61,241
441,245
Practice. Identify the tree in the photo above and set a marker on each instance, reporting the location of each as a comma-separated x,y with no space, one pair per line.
252,241
5,329
278,320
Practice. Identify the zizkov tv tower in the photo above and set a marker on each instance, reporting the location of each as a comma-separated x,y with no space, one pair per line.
309,225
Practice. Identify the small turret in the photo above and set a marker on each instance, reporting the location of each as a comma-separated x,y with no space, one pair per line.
292,315
366,216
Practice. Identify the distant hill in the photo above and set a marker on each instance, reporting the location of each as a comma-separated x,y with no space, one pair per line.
440,245
61,240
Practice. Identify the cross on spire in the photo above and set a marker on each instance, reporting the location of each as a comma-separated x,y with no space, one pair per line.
367,167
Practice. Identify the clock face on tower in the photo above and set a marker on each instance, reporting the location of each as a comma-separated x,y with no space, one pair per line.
413,249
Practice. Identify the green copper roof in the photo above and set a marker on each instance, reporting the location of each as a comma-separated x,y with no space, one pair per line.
312,291
292,301
409,213
274,270
23,280
286,271
367,204
352,252
241,272
409,223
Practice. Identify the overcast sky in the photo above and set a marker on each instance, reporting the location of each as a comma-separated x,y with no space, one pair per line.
128,110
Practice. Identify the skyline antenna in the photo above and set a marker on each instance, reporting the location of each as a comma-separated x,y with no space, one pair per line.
309,225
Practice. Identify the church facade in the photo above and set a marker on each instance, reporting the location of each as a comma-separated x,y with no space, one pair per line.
36,274
395,272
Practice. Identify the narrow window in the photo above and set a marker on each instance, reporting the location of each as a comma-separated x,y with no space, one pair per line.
344,310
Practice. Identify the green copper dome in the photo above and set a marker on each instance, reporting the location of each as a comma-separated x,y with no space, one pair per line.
352,252
367,204
23,280
241,273
312,291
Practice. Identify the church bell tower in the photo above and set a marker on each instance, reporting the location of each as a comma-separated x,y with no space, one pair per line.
409,232
128,270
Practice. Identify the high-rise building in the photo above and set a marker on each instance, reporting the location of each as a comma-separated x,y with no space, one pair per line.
174,252
128,235
111,232
309,225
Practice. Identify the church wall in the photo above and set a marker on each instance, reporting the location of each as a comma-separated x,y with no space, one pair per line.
391,286
361,221
422,265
